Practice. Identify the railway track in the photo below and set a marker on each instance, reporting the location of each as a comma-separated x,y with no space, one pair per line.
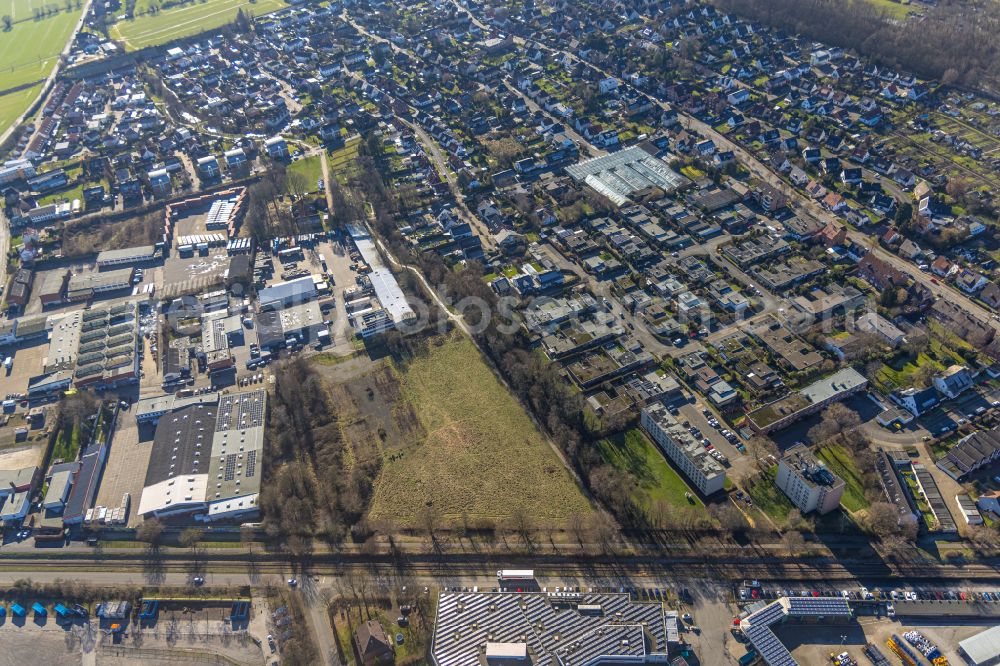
624,568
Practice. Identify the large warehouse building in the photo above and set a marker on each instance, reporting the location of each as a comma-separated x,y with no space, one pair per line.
620,175
125,257
96,348
550,629
757,626
207,459
983,649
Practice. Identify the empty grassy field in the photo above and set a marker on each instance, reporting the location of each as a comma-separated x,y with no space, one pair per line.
184,21
480,455
896,10
14,104
311,169
28,52
655,480
768,498
838,459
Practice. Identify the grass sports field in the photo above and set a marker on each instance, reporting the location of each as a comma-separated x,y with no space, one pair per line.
183,21
481,453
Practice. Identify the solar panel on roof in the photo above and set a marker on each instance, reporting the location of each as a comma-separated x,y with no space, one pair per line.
230,471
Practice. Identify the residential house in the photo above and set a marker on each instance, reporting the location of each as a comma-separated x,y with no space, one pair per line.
954,381
873,322
373,645
916,401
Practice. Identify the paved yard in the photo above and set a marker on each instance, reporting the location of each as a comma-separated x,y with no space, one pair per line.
28,362
125,471
192,274
338,264
811,644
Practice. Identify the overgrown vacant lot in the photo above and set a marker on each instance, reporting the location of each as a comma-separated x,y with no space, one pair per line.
481,453
185,20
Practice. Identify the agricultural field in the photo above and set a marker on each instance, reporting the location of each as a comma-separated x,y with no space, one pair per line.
478,453
176,22
12,105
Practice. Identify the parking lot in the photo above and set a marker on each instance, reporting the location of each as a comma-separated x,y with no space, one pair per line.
694,414
813,644
179,638
943,615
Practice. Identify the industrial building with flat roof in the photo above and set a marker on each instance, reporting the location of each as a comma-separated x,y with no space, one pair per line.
620,175
392,308
808,400
206,459
84,286
149,410
683,449
286,294
983,649
128,255
757,625
277,328
569,629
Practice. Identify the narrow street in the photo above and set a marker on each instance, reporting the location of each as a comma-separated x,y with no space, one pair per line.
315,601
